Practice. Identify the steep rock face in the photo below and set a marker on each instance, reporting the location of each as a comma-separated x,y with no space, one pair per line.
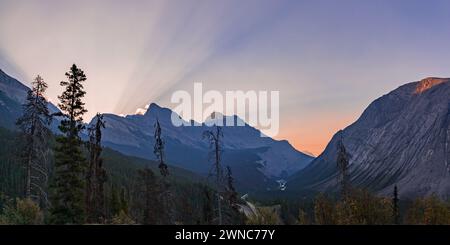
401,139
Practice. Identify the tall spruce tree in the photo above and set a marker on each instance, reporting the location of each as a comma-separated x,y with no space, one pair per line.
215,140
343,159
231,210
159,150
69,182
95,174
231,194
34,124
395,207
149,193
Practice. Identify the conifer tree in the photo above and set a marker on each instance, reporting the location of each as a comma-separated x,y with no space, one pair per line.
149,195
214,137
68,187
208,207
115,206
96,174
342,164
395,208
232,214
159,150
34,125
231,194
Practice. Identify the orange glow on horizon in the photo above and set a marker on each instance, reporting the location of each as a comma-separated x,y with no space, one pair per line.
312,136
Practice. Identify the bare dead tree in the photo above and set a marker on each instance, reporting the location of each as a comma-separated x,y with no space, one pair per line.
96,174
165,193
214,137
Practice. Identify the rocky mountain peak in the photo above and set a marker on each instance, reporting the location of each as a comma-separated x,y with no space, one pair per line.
156,111
400,140
428,83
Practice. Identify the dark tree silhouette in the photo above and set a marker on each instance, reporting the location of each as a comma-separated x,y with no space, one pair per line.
395,207
165,194
159,150
152,208
96,174
214,137
231,194
342,164
34,124
232,214
114,206
208,207
68,186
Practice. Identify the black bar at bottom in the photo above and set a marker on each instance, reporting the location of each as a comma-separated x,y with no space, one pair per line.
212,234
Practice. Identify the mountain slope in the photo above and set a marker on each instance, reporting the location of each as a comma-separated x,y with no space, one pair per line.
13,95
401,139
253,159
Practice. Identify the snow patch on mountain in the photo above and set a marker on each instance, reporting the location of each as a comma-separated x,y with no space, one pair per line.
276,158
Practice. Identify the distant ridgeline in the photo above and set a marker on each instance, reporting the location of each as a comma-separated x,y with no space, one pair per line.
401,139
258,163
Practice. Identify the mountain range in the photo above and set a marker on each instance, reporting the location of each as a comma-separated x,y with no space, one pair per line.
257,162
401,139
